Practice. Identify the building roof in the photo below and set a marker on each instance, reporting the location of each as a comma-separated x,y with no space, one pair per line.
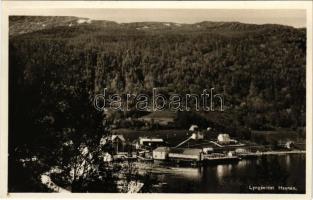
162,149
193,127
186,151
121,137
198,144
151,139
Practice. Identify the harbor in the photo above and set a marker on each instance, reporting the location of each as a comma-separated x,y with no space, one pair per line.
274,170
198,148
192,157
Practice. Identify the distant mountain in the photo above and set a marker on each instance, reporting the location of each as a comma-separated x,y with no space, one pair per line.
26,24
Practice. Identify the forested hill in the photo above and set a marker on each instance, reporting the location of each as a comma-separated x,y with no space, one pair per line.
260,69
26,24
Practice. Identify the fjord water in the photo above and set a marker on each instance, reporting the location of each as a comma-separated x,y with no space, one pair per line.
268,174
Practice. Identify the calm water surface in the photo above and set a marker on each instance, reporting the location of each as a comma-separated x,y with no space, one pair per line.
280,174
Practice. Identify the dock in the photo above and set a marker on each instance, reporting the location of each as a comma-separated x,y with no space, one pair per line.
257,154
219,159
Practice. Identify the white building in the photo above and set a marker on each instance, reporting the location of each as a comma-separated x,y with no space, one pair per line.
197,136
223,139
193,128
160,153
147,141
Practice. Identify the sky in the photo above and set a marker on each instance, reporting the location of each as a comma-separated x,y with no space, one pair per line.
290,17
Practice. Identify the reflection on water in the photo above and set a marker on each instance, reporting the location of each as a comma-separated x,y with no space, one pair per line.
222,171
288,161
275,171
188,173
243,163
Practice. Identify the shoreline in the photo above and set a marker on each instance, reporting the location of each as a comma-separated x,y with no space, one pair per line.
277,152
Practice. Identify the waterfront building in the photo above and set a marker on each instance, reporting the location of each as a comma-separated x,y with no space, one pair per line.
225,139
185,154
160,153
148,143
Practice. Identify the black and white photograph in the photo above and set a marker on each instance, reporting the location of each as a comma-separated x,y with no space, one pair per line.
158,100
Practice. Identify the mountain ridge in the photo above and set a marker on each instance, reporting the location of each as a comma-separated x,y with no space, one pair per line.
26,24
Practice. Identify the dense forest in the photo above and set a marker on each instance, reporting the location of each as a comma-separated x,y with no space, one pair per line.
58,64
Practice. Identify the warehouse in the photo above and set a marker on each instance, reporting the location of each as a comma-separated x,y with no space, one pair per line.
185,154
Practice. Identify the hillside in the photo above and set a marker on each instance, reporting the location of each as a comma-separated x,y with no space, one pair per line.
26,24
58,64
